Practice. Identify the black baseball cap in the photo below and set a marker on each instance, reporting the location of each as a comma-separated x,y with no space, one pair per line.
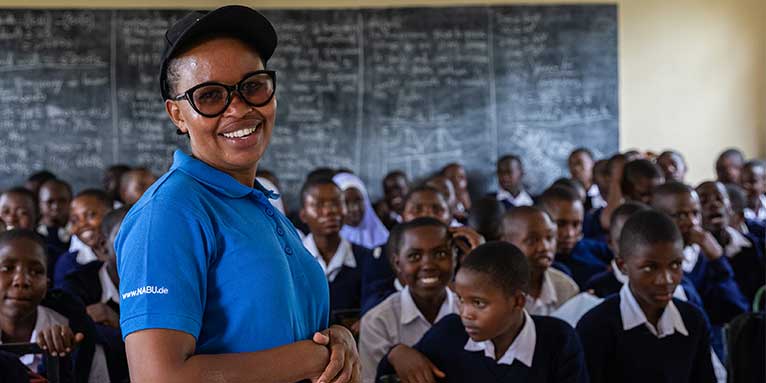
242,22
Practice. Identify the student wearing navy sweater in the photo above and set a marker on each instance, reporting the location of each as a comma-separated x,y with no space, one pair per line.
578,257
704,260
742,250
323,209
644,334
611,281
753,229
494,339
510,175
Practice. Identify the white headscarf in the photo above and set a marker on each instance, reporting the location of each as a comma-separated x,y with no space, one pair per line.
370,233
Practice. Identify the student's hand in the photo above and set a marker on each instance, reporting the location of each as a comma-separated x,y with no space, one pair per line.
355,327
706,242
466,238
58,340
344,364
413,367
101,313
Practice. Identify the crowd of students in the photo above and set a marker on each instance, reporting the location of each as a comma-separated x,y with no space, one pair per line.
620,273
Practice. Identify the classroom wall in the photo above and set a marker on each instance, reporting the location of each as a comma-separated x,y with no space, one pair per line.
692,72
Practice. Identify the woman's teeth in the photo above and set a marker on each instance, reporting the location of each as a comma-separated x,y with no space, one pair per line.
429,280
241,133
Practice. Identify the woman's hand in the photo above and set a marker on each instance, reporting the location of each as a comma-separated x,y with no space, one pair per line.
58,340
344,358
413,367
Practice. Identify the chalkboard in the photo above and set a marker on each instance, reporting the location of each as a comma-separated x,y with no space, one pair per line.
371,90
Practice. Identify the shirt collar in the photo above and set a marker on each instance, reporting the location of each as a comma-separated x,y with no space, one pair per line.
344,256
522,348
523,199
108,290
632,316
737,242
84,253
216,179
410,311
691,255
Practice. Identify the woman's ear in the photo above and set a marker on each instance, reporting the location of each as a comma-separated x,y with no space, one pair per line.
174,111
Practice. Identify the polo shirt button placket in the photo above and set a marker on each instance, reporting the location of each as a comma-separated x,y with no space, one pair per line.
269,212
289,250
280,232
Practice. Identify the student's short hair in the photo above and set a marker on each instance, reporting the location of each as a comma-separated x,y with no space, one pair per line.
579,150
613,160
312,183
569,183
100,195
321,173
639,169
737,198
601,167
645,228
673,153
486,217
504,264
125,176
395,173
56,181
16,234
443,171
425,189
113,218
754,164
557,194
672,188
520,212
28,194
510,157
626,210
396,236
731,152
41,176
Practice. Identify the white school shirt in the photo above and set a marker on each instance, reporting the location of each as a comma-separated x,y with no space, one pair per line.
522,348
557,288
596,200
757,215
344,256
85,254
523,199
109,292
737,243
396,320
669,323
691,256
46,318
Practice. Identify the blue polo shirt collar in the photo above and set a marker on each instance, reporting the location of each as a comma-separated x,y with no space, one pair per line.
216,179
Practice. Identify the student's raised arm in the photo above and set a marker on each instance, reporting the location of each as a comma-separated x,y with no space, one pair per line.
159,355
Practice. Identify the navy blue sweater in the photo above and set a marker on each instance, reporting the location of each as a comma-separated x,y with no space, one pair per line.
558,355
637,355
591,226
346,288
377,279
714,281
587,259
749,268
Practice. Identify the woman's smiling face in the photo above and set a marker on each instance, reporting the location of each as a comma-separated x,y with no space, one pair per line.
234,141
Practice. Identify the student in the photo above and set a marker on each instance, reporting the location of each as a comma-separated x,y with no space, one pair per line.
581,169
54,199
704,262
426,201
742,251
494,339
54,321
754,182
510,174
18,208
96,285
455,172
579,257
34,181
444,186
738,202
601,180
323,210
611,281
576,186
361,225
111,182
424,257
134,183
643,334
395,188
532,231
673,165
728,166
87,211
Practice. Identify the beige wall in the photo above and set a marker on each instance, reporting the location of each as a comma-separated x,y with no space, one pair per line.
692,72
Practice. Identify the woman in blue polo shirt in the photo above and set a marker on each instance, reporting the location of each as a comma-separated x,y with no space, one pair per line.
215,283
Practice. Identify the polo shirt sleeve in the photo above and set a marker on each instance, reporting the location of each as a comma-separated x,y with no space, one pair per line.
163,254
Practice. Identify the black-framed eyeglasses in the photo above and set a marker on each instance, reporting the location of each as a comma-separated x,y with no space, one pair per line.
211,99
